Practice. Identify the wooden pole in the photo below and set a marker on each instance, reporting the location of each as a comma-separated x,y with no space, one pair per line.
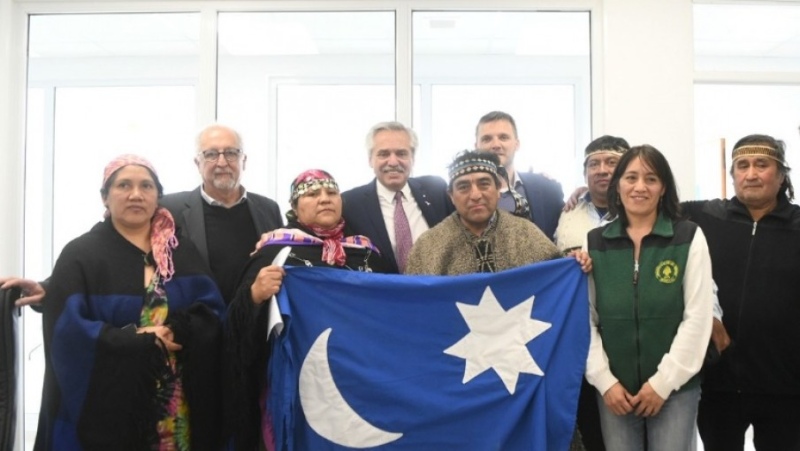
723,172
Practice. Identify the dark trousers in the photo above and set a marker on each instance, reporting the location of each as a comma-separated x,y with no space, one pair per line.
589,418
723,418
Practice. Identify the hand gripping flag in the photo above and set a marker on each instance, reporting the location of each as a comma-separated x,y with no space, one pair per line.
475,362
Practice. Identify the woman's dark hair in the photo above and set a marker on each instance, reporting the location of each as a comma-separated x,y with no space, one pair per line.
780,153
113,178
669,203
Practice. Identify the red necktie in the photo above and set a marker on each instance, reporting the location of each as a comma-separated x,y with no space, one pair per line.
402,232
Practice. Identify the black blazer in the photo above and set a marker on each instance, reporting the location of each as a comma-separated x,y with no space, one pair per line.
362,210
187,209
546,199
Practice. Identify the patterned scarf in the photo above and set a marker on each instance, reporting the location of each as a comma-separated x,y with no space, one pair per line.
332,241
162,242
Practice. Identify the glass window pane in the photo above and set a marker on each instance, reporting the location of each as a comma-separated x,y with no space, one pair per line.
329,146
123,83
733,111
88,137
747,38
532,65
546,125
113,49
309,138
304,88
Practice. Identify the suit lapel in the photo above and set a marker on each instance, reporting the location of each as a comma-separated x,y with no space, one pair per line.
530,193
421,197
259,216
195,223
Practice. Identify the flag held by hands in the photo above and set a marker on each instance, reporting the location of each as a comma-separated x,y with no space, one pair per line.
482,361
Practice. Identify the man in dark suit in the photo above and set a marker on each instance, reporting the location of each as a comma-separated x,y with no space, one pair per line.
221,218
496,132
370,209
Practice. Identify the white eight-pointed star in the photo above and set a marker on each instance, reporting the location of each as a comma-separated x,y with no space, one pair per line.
497,339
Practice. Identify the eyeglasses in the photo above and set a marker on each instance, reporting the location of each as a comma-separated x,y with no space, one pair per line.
230,154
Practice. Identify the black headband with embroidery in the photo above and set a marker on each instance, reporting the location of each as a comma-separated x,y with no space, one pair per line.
470,165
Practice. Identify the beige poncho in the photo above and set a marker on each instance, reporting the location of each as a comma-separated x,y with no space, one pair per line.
448,248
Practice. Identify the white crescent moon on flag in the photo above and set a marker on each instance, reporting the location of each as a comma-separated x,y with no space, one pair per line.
326,410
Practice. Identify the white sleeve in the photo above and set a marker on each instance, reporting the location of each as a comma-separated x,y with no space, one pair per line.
598,371
688,349
717,307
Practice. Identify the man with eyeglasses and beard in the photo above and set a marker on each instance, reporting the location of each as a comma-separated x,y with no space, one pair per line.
220,216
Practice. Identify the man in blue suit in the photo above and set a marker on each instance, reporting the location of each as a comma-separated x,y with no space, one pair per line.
496,132
220,217
370,209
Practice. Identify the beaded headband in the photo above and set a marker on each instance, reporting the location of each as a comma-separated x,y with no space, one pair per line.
311,180
617,150
761,150
469,165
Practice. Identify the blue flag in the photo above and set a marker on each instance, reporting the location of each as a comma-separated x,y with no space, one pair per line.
482,361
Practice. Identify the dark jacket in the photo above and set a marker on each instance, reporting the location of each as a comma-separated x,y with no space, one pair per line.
546,200
756,266
362,211
101,376
187,209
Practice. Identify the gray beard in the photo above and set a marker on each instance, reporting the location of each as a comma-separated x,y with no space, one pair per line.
224,185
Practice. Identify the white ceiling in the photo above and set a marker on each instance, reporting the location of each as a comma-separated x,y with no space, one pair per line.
720,30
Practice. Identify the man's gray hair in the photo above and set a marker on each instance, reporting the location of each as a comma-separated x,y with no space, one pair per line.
390,126
199,139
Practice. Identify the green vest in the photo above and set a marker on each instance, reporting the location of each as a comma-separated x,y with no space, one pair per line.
639,312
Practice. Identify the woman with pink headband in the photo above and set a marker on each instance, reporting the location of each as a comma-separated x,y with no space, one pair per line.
132,330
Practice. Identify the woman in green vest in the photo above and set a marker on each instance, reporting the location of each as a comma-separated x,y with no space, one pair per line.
651,310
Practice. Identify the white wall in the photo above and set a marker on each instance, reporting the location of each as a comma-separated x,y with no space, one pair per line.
12,124
12,168
648,79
